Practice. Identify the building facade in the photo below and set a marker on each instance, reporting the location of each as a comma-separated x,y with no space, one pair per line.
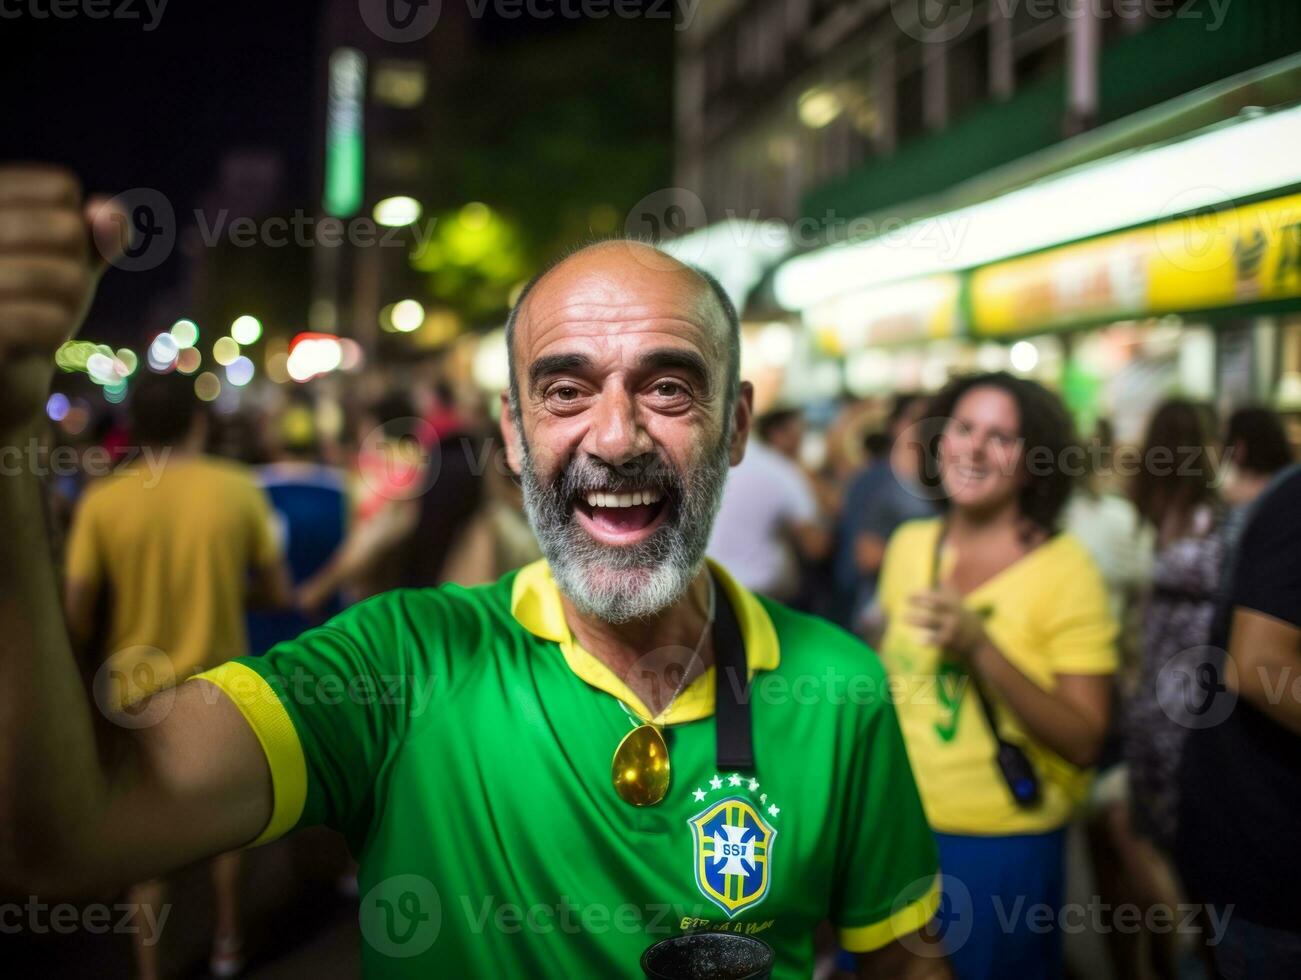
942,166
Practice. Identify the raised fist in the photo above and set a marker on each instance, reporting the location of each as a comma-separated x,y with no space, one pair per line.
49,264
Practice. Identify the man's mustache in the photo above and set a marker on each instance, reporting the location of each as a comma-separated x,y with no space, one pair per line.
584,475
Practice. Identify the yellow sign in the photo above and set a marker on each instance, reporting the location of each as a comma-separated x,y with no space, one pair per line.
1223,257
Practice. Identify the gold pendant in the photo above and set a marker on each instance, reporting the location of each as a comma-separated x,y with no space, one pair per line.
640,769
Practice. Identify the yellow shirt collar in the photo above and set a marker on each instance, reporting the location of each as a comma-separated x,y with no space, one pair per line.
535,604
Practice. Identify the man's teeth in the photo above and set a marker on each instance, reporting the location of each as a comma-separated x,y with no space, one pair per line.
624,499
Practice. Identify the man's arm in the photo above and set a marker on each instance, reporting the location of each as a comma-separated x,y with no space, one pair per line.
1267,654
812,540
917,957
869,552
804,522
77,816
1265,634
80,600
365,544
271,586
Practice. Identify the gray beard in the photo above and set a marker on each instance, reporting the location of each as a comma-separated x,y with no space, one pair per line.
618,584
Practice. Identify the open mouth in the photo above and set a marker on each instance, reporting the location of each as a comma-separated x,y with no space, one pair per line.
621,518
971,473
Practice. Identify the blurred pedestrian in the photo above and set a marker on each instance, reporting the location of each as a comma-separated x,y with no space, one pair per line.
1256,450
1108,524
785,430
999,626
393,457
310,502
418,507
1132,831
1179,501
497,537
880,497
769,519
1240,793
173,548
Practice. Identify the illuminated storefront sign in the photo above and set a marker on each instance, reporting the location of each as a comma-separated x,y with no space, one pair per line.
1223,257
906,312
345,146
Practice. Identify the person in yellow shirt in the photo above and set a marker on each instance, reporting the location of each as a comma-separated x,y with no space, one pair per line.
1000,640
163,557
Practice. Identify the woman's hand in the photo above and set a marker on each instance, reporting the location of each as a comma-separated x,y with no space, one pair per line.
946,623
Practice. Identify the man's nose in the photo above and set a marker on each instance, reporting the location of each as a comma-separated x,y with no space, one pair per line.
616,436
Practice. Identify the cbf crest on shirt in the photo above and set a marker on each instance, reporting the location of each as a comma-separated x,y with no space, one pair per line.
733,846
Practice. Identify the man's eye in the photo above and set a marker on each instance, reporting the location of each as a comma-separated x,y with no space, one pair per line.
566,393
669,389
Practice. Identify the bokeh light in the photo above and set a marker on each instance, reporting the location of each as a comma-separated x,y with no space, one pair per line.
246,330
100,367
185,333
225,350
312,355
207,387
407,315
278,367
56,407
352,355
1024,356
162,352
239,372
188,360
394,212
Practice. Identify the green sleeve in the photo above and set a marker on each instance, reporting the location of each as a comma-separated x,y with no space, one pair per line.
888,885
331,706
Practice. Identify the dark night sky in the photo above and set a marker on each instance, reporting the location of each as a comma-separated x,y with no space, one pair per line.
127,107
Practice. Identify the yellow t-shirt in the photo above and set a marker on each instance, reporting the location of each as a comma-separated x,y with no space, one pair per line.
1048,614
171,548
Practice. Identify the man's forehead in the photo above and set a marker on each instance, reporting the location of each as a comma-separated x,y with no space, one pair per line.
612,291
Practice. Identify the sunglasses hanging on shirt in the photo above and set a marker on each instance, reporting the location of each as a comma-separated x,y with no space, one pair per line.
641,770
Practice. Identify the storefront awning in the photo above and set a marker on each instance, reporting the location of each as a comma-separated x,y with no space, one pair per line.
1154,230
1220,258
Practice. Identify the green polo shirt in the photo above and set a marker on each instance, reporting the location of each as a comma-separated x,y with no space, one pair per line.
461,739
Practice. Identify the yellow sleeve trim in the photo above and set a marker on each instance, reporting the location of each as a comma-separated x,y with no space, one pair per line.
910,918
262,709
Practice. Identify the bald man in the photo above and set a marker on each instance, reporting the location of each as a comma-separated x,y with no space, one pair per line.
532,774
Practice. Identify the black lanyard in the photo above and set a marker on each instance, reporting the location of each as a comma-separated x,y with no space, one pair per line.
1013,764
735,739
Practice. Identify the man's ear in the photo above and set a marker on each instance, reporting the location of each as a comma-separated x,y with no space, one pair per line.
510,436
742,416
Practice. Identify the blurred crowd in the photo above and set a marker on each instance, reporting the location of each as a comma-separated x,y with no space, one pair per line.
1107,576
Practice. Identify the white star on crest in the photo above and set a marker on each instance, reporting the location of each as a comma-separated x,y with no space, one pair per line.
763,797
715,783
754,785
734,779
699,795
774,809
